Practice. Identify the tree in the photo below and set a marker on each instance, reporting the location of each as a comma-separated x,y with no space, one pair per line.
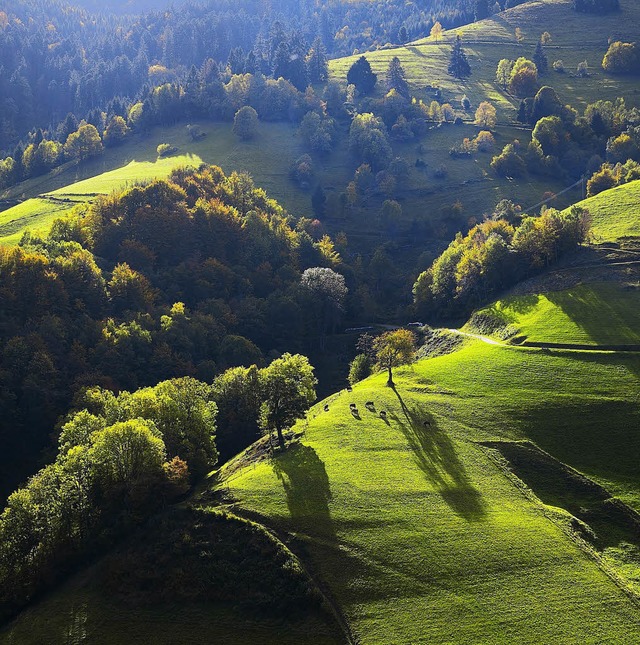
503,73
116,132
458,64
328,291
396,79
361,76
523,80
486,115
403,36
359,368
622,58
394,348
545,38
287,386
126,454
436,31
83,143
480,9
317,62
540,59
368,139
245,123
318,201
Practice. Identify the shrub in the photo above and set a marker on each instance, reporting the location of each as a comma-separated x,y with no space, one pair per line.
558,66
245,123
485,141
166,150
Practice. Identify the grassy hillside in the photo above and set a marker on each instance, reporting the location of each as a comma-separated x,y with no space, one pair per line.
267,158
421,535
575,37
590,314
188,576
615,213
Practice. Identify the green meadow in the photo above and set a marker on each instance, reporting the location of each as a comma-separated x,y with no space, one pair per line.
604,313
614,213
421,535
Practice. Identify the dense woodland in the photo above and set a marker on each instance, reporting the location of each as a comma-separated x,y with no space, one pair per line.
58,60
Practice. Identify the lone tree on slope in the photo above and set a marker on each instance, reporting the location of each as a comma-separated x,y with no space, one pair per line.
459,65
394,348
361,76
287,387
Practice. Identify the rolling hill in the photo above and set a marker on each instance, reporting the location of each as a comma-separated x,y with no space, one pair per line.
423,196
493,501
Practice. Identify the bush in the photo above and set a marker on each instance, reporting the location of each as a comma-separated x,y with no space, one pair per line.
509,163
485,141
245,123
359,368
441,172
558,66
166,150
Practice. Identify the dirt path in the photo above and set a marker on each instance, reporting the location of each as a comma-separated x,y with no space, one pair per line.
563,347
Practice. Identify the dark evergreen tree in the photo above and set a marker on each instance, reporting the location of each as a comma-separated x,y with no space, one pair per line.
459,65
282,61
396,79
317,62
403,36
361,76
540,59
236,60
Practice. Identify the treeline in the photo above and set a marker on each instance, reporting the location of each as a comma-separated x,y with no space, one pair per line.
122,457
495,255
188,276
58,60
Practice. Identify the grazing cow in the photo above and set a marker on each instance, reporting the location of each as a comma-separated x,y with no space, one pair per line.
326,407
427,423
383,413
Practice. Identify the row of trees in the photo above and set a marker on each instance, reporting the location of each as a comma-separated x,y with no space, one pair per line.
494,255
121,457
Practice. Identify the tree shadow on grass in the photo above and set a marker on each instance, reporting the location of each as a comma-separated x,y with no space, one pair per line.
306,485
436,457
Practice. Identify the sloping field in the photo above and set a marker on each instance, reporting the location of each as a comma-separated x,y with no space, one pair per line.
421,536
589,314
575,37
615,212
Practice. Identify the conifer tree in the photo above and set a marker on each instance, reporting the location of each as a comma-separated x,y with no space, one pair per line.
540,59
317,62
458,65
396,78
361,76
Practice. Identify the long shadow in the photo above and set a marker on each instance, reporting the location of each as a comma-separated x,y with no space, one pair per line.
599,317
436,457
306,485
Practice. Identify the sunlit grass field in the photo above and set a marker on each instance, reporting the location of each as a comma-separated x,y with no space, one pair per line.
592,314
615,213
421,536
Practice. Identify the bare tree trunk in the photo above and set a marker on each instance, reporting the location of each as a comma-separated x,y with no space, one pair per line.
390,380
280,437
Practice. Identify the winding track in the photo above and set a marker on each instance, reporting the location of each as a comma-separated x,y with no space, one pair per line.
563,347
